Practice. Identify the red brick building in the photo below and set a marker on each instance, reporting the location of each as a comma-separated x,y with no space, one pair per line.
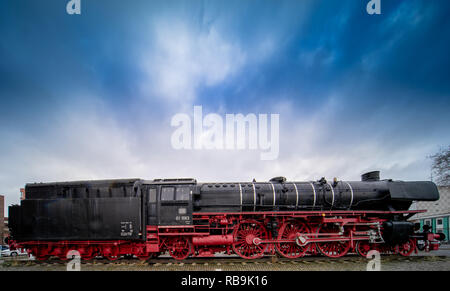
5,229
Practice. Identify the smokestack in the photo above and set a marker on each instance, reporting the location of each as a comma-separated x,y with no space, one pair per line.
371,176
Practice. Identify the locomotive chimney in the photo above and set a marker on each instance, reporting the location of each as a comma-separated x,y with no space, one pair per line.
371,176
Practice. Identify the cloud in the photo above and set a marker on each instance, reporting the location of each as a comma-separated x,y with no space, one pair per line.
184,59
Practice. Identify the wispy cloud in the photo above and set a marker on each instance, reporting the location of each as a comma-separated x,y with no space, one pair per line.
183,59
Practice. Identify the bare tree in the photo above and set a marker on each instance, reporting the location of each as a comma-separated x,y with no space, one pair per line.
441,167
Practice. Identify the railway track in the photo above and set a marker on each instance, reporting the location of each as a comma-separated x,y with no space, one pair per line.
218,261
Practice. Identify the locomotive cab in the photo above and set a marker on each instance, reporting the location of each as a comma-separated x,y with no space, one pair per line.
169,201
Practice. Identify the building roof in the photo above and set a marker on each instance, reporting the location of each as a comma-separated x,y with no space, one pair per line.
435,208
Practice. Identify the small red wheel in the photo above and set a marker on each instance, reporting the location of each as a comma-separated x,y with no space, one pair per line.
335,248
141,253
146,256
246,237
61,253
88,257
179,247
364,247
290,230
88,254
407,248
41,254
110,252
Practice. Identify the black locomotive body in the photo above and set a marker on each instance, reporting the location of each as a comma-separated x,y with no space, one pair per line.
141,214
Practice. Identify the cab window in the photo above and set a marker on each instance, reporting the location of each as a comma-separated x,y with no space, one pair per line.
183,193
152,195
167,193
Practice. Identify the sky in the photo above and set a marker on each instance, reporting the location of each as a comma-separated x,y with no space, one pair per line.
92,96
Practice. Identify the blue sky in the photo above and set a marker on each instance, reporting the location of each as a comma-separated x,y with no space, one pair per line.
91,96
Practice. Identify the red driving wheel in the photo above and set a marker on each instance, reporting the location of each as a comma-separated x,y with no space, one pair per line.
290,230
334,248
246,239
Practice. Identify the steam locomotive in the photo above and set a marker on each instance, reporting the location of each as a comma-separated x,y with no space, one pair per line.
181,217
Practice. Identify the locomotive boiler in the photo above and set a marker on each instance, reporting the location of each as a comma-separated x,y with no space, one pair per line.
145,218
